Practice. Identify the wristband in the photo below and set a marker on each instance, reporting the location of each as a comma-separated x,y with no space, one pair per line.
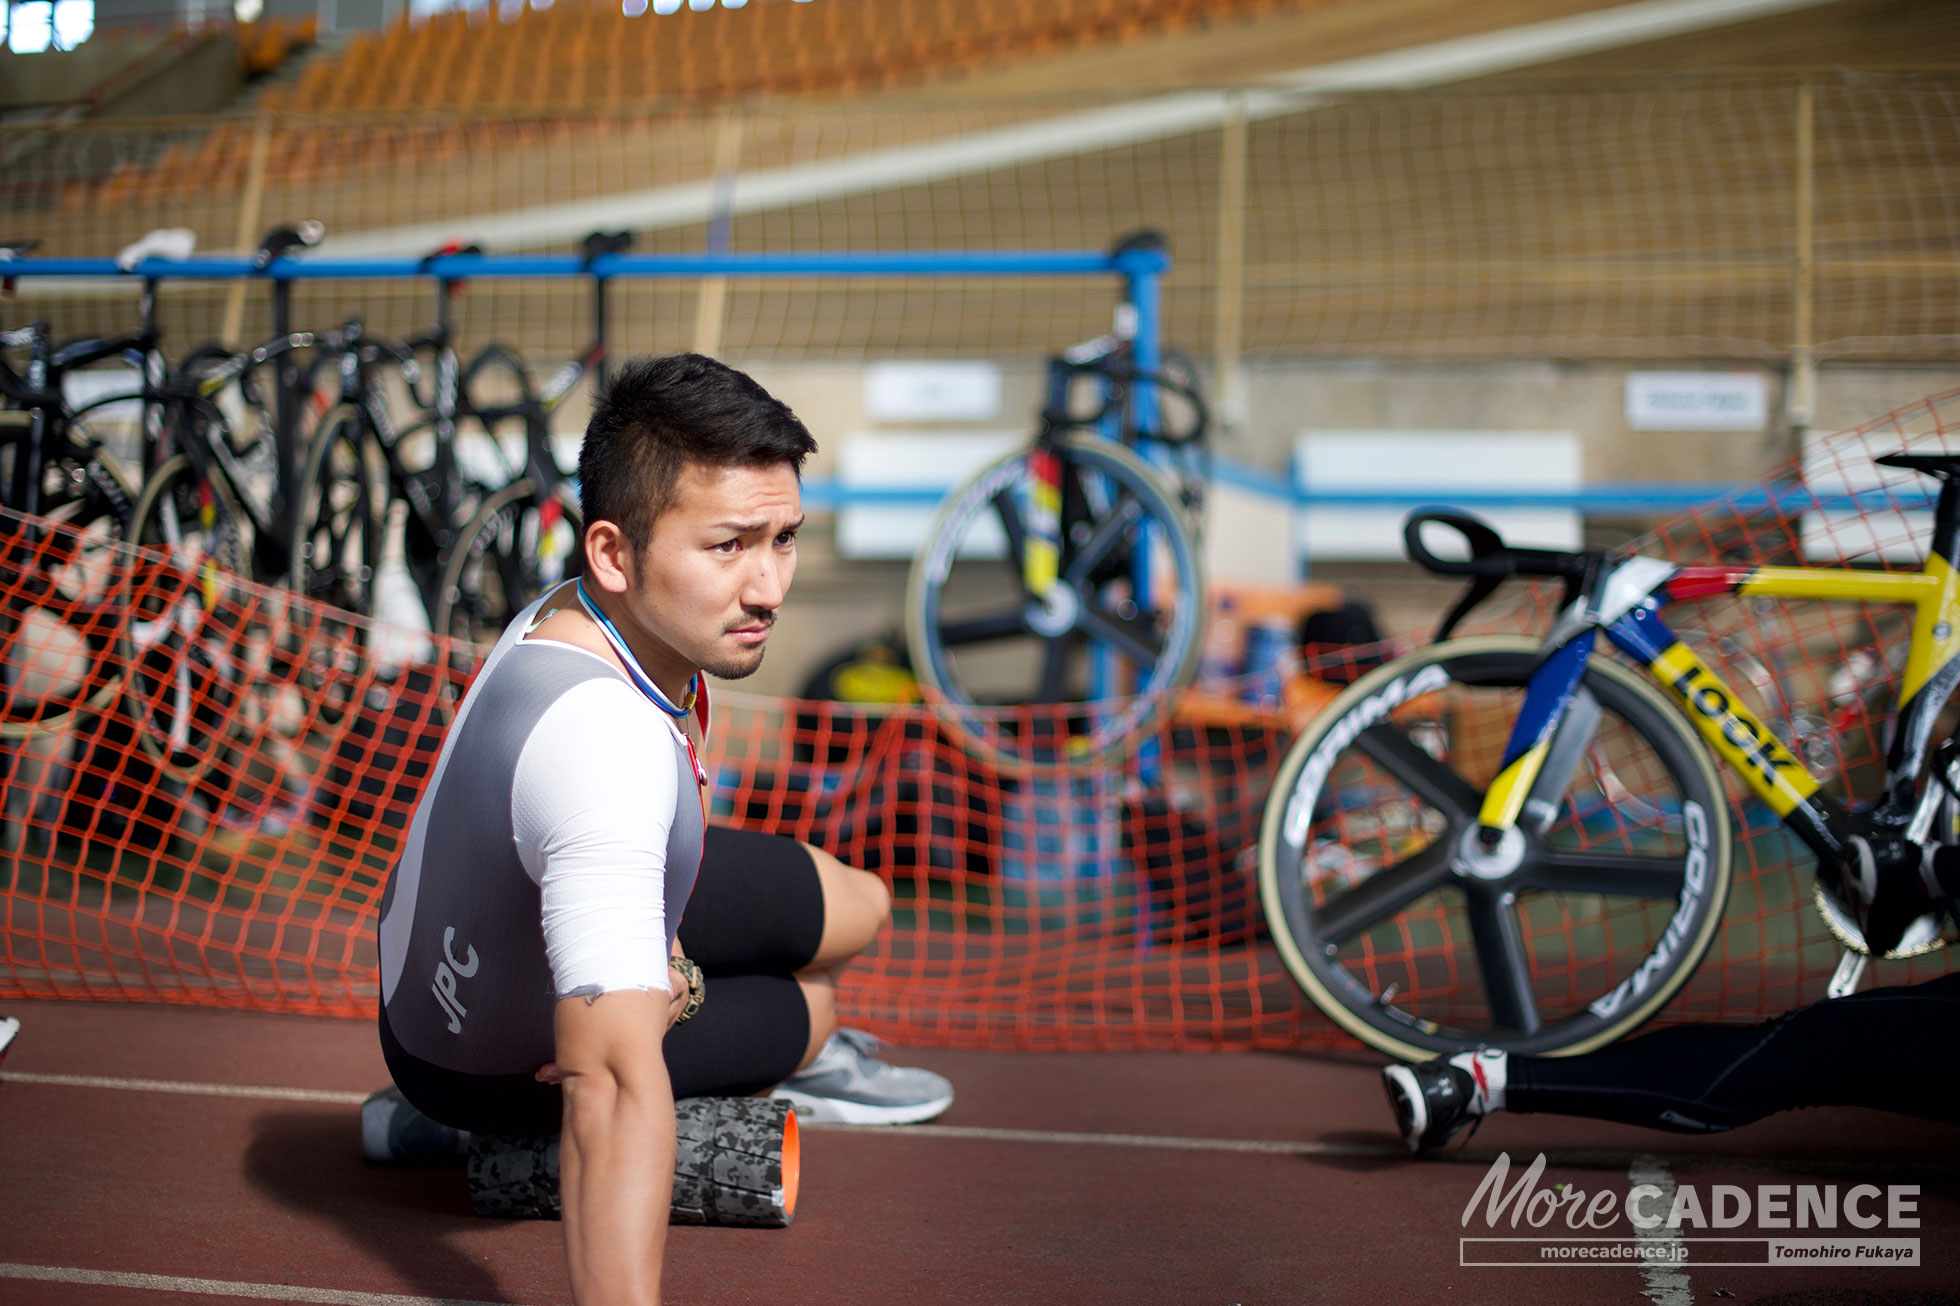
697,990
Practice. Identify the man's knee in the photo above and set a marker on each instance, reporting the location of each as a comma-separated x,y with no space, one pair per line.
820,996
874,895
856,906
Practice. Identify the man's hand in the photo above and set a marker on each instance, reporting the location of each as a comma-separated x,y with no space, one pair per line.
616,1155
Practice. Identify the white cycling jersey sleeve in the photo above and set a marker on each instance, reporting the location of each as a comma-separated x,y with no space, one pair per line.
592,807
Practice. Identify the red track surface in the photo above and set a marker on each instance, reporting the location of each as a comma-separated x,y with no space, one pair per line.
1242,1179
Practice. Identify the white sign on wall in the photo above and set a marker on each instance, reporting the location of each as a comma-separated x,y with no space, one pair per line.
1430,466
913,460
1697,401
932,392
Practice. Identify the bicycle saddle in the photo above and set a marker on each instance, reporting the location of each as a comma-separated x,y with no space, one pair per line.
1944,465
175,243
597,244
281,240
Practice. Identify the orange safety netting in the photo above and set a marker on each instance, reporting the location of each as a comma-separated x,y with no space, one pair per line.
203,784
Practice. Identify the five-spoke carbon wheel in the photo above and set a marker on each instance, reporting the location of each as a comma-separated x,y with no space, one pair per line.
1101,652
1412,933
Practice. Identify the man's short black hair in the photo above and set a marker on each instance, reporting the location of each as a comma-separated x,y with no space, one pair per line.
660,414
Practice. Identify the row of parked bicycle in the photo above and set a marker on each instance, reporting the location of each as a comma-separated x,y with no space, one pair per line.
310,458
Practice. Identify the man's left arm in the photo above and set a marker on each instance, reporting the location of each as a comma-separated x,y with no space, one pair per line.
616,1155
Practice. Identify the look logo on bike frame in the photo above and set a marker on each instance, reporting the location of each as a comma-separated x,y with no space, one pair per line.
1600,794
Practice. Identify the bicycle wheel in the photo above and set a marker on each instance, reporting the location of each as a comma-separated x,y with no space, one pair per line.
182,689
1409,934
1111,653
336,546
516,547
61,597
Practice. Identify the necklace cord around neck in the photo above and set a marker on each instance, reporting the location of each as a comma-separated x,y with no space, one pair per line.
634,671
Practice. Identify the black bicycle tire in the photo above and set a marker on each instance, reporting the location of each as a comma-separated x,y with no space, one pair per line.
930,573
1369,701
357,595
499,353
195,762
471,545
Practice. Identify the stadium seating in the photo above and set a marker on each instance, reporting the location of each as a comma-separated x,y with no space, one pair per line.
587,56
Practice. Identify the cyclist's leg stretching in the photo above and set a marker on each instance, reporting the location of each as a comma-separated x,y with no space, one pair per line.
1886,1048
1893,1049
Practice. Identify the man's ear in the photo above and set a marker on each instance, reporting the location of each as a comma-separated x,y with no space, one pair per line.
608,557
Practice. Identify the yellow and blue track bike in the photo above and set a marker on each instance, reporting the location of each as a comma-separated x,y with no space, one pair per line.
1524,843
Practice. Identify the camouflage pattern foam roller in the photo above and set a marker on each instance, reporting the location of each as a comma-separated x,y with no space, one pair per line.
736,1162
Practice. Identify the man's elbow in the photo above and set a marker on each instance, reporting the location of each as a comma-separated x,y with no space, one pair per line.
609,1055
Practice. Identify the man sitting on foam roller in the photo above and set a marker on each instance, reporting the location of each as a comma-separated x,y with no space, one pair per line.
535,967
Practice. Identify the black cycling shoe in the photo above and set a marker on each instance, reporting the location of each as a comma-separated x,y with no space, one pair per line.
1432,1102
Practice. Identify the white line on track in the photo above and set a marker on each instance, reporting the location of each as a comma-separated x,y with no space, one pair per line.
332,1097
1262,1146
1385,1150
1661,1263
221,1287
263,1092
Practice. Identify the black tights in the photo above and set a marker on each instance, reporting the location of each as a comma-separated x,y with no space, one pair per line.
1897,1049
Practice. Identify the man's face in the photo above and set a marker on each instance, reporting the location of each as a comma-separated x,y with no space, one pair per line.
707,587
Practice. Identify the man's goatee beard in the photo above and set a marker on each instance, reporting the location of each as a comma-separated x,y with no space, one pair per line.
734,670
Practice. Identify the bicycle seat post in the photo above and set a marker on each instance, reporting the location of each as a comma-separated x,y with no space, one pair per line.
448,386
600,366
24,493
154,369
285,415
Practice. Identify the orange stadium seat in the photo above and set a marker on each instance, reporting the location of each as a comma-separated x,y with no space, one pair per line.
588,54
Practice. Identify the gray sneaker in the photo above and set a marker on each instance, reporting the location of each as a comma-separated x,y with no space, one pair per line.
846,1085
395,1133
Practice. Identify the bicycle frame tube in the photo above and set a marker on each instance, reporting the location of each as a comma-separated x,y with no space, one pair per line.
1547,696
1625,603
1765,763
1932,670
24,490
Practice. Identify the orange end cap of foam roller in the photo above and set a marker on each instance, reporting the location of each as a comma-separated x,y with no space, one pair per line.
792,1164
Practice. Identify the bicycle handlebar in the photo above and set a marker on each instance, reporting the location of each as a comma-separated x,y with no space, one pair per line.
1489,554
1491,561
1109,358
80,353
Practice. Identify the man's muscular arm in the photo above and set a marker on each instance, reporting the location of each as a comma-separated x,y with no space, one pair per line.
616,1158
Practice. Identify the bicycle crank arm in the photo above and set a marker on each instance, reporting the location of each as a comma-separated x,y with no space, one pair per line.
1850,969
